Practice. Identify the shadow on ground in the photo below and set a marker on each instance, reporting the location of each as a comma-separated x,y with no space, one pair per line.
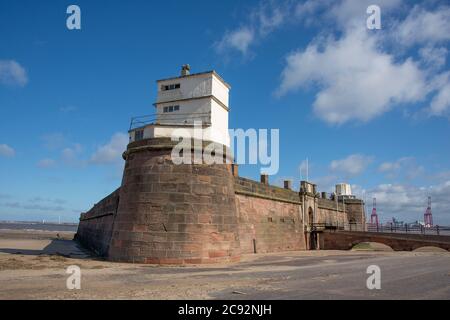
66,248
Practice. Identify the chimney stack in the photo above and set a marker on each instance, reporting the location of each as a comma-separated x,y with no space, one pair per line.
288,184
265,179
234,170
185,70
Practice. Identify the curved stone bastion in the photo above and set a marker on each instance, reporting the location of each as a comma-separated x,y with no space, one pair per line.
166,213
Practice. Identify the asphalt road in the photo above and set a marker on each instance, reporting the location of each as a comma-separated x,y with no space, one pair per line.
343,275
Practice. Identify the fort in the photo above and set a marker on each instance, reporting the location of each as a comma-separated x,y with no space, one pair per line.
166,213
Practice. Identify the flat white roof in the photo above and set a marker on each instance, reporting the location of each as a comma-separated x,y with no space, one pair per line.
213,72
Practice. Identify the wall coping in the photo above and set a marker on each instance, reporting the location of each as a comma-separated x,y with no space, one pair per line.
258,195
168,144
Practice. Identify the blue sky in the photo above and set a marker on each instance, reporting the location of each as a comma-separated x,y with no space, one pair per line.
369,107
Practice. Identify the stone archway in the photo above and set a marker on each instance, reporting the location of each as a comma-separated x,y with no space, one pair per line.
312,233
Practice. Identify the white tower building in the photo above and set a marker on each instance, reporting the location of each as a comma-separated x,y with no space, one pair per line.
199,99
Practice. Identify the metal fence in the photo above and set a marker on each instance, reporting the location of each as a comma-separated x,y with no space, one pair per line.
369,227
171,117
416,229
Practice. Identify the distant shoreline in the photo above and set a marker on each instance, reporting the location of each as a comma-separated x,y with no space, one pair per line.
34,225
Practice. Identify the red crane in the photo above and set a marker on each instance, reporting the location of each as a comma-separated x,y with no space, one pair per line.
428,216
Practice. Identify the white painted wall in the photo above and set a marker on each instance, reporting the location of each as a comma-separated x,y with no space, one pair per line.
220,90
219,121
190,110
193,87
196,104
155,131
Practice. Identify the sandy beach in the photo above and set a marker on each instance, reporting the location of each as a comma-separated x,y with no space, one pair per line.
33,266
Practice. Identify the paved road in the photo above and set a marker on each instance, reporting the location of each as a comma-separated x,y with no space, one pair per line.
404,275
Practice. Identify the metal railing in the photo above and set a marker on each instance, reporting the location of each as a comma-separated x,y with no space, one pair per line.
140,121
176,117
416,229
369,227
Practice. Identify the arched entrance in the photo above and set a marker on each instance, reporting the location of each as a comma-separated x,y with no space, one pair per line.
312,233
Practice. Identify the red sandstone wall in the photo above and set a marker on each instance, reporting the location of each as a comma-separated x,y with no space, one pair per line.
356,214
330,216
95,227
174,214
275,225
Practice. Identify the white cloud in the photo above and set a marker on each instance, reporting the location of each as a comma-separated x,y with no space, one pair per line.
351,166
396,165
46,163
41,200
70,154
270,16
309,8
441,101
12,73
429,29
340,15
433,57
358,76
112,151
28,206
356,80
422,26
73,155
363,74
352,13
405,168
6,151
408,202
239,39
260,22
389,166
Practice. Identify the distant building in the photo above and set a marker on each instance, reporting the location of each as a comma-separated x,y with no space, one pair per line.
344,190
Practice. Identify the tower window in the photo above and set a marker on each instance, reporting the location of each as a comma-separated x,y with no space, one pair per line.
170,87
138,135
171,109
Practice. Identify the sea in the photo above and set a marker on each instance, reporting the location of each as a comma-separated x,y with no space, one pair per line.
42,226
